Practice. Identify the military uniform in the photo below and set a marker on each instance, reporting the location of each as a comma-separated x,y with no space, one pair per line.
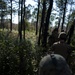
61,47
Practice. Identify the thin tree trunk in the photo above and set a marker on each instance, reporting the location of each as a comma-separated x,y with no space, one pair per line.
11,17
21,19
19,30
2,19
21,54
20,26
2,25
63,20
37,17
59,20
24,21
42,20
44,42
69,16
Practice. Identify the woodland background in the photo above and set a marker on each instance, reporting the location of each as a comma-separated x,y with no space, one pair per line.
23,45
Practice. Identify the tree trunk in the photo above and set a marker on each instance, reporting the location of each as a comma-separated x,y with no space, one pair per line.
42,20
59,20
24,21
69,16
63,20
37,17
21,20
44,42
2,25
11,17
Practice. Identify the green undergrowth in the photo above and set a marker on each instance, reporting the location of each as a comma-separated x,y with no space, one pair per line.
16,56
22,56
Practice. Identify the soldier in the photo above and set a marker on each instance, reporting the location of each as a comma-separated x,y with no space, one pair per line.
61,47
54,64
53,37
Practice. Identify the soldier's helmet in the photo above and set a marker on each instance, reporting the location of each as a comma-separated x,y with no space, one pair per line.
62,36
54,64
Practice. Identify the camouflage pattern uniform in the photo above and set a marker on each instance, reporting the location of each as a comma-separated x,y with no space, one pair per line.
54,64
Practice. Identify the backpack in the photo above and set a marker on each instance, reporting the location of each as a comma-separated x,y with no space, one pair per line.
55,63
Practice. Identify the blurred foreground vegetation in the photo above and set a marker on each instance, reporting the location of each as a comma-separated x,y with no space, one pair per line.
22,57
